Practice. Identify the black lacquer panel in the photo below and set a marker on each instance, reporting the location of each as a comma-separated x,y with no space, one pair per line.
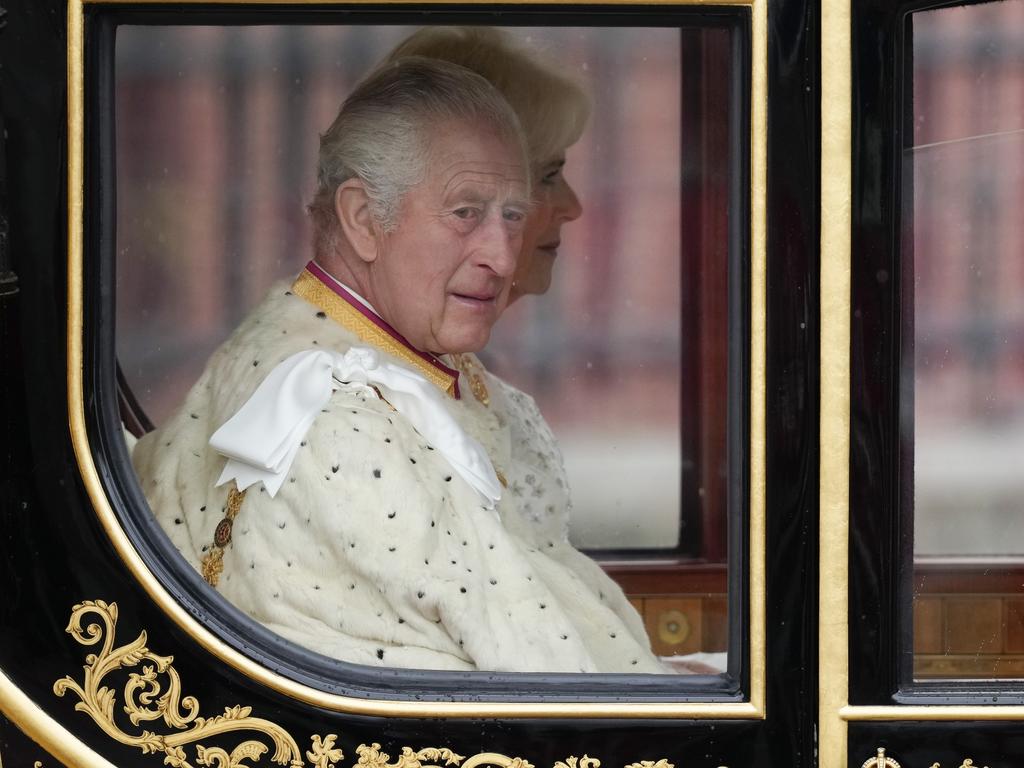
792,382
875,549
948,744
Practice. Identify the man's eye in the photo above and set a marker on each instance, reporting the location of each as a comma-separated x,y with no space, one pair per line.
551,177
464,213
511,214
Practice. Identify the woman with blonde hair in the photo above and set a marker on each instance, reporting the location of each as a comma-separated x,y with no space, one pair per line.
552,111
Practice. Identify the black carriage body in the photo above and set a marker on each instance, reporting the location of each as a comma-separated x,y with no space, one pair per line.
60,563
58,555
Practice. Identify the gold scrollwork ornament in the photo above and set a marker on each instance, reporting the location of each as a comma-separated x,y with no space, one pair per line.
579,762
494,758
324,754
433,757
968,763
154,693
371,757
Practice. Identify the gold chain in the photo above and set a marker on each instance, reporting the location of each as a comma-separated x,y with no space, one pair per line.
213,562
473,373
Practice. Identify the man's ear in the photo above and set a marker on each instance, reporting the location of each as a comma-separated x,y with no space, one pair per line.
352,207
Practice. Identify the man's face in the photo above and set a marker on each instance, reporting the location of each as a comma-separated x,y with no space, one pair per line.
442,276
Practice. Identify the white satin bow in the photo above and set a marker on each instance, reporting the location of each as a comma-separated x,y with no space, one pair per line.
262,438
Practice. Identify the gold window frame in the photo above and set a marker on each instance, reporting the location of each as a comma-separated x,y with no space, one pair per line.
754,708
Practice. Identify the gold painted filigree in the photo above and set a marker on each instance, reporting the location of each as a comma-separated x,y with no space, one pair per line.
154,693
434,757
579,762
324,754
493,758
371,757
968,763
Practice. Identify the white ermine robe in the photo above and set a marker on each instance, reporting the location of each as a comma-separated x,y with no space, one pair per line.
374,551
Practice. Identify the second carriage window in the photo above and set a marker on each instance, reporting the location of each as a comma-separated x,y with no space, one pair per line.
964,349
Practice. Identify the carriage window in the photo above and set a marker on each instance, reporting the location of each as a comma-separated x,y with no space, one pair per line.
964,190
626,328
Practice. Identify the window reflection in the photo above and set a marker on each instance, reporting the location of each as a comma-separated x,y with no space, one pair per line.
626,355
965,189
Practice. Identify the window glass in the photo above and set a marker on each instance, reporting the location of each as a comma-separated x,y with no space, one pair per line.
964,177
625,353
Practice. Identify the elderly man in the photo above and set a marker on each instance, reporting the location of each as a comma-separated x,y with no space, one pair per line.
328,473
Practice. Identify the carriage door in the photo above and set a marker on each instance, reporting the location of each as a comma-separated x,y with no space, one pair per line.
921,611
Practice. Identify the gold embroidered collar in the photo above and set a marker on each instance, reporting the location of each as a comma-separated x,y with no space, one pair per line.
326,294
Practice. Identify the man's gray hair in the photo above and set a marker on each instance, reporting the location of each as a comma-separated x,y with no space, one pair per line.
382,135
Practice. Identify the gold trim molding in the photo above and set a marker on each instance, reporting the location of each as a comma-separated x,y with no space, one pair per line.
391,2
753,709
30,719
932,713
834,423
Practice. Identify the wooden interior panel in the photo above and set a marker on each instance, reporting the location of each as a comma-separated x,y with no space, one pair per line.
974,625
928,630
638,603
971,666
1013,610
715,623
968,620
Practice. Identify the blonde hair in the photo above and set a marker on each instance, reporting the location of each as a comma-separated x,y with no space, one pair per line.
382,135
552,109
